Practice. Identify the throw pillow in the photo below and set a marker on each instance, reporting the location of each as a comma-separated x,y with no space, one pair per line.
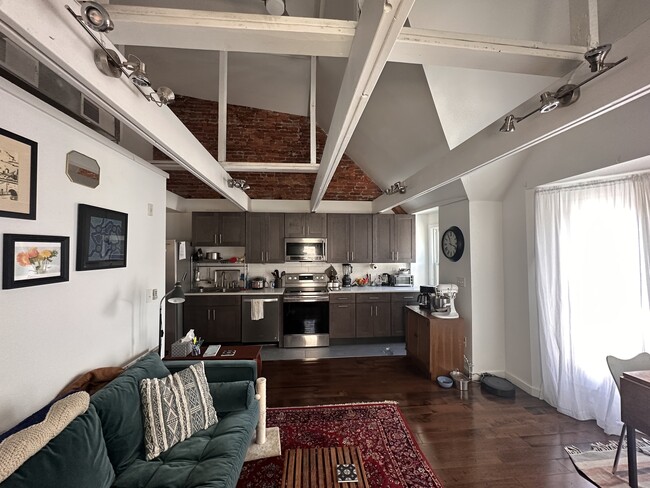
19,447
175,407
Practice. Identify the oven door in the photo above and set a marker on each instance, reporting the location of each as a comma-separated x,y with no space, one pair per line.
306,322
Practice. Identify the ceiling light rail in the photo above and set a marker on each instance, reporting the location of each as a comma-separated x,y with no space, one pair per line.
569,93
94,17
398,187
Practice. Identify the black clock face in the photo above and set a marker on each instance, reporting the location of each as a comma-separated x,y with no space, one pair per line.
453,243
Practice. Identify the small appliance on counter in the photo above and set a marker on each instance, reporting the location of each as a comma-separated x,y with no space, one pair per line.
425,296
443,301
347,275
402,278
385,279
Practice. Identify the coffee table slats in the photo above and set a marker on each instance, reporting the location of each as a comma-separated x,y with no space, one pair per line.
316,467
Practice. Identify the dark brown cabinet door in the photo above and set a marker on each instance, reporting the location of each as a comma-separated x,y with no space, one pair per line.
232,229
227,324
294,225
360,238
275,238
338,230
315,225
383,231
255,248
205,228
404,238
398,312
342,320
381,323
365,315
214,318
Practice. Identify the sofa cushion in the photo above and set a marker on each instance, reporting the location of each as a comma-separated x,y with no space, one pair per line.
118,407
175,407
210,458
75,458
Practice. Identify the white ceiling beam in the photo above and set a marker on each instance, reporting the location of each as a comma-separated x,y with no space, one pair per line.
376,33
613,90
223,106
55,37
312,111
191,29
270,167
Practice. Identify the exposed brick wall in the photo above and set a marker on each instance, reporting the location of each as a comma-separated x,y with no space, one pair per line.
256,135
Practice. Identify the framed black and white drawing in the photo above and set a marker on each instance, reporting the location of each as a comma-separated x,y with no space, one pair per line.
18,160
101,238
30,260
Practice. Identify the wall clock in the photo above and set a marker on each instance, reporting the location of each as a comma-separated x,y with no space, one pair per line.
453,243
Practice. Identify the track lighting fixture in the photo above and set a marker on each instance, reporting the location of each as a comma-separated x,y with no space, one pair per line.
241,184
275,7
569,93
94,17
395,188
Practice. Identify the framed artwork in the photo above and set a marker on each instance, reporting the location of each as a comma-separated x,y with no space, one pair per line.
101,238
18,157
30,260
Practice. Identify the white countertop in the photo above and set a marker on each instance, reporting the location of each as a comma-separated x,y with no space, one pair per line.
378,289
263,291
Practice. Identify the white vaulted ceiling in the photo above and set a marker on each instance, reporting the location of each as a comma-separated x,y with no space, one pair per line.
411,90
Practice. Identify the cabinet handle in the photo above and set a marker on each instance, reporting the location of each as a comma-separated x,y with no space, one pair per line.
267,256
262,257
373,298
343,306
215,238
307,229
209,314
352,255
396,255
408,298
219,238
340,299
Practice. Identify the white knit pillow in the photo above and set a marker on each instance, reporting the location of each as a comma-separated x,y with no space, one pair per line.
175,407
19,447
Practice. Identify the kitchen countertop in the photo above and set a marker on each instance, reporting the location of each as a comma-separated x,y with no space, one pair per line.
378,289
426,313
263,291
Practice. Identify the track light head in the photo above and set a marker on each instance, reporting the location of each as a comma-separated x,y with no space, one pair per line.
95,16
596,57
508,124
549,102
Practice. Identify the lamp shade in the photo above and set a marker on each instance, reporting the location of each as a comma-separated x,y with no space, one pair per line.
176,295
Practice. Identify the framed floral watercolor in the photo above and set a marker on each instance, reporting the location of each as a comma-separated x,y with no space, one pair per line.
18,157
30,260
101,238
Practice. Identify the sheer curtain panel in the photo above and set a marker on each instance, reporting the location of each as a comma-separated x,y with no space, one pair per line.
592,261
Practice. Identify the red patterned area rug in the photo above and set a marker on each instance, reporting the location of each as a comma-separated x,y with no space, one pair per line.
391,456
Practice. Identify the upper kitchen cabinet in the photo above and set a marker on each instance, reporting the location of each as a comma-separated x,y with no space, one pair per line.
349,238
265,238
219,228
305,225
393,238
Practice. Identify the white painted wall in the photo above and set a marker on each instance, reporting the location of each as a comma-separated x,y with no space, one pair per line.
618,136
52,333
488,328
458,214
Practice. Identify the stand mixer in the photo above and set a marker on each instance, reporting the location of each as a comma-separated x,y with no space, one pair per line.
443,301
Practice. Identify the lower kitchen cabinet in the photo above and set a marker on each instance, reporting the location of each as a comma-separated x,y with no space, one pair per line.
398,302
373,315
435,345
215,319
342,316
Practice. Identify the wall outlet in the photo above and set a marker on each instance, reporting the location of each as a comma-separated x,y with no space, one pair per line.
151,294
460,282
154,294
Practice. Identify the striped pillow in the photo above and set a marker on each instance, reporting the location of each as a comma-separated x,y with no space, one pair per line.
175,407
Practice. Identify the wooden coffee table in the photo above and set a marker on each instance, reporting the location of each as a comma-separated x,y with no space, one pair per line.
316,467
241,352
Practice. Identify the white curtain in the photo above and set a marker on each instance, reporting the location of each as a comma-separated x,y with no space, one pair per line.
593,271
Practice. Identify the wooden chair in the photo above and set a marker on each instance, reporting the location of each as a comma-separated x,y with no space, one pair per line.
617,367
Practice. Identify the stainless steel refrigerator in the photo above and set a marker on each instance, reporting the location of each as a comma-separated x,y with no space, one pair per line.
177,268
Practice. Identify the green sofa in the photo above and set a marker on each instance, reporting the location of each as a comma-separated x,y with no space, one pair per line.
104,447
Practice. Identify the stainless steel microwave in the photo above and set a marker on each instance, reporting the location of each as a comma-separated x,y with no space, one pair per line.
305,249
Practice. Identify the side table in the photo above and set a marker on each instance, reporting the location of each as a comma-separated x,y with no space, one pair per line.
241,352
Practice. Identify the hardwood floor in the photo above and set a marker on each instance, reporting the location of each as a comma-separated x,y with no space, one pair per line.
471,440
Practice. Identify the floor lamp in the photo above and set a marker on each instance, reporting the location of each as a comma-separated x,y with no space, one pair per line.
175,296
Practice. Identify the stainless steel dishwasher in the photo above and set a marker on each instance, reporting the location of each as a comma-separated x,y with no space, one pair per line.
266,329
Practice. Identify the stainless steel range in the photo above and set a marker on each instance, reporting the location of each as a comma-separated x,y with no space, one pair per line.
306,310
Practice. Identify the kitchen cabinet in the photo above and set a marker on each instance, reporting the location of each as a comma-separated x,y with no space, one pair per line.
342,316
398,302
435,345
265,238
349,238
305,225
373,315
218,228
393,238
216,319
